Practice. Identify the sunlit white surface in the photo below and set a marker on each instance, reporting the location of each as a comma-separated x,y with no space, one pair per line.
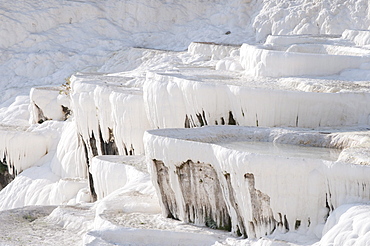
120,89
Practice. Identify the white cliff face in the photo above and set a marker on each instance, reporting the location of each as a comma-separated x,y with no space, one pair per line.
214,179
305,55
111,173
221,176
227,104
69,160
22,148
245,188
297,155
110,117
57,173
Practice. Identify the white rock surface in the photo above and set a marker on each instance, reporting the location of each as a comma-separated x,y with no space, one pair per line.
265,188
121,88
247,104
348,224
111,114
46,104
283,56
111,173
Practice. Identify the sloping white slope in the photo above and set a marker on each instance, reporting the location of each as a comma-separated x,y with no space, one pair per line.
113,172
45,42
348,225
310,17
49,163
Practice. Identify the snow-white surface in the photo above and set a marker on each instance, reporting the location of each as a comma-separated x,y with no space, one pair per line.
113,172
319,187
49,164
46,104
212,50
44,43
183,97
101,107
39,186
310,17
69,160
347,225
122,89
22,148
302,55
17,112
359,37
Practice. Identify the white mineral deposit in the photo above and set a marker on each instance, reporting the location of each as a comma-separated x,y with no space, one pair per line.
168,122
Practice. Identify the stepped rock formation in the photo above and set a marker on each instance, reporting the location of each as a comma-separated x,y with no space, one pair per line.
248,116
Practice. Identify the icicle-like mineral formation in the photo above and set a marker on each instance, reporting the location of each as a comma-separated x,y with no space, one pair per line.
110,117
249,181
